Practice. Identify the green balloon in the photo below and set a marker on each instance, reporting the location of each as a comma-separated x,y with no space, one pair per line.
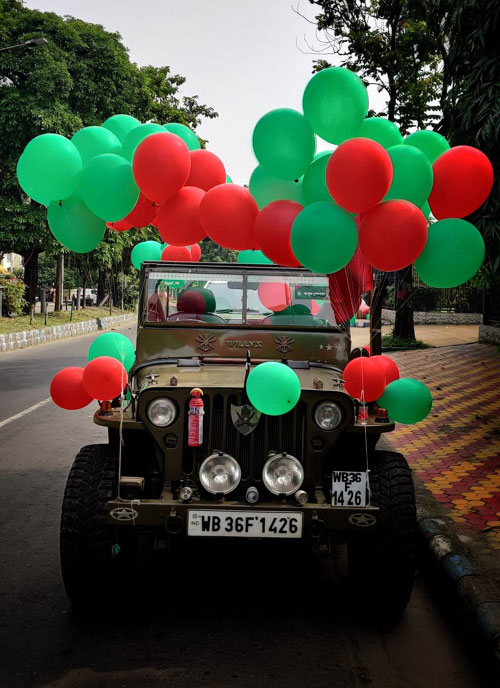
429,142
413,175
250,256
314,187
265,188
185,133
406,400
73,225
453,254
284,143
49,168
335,103
273,388
426,209
381,130
145,250
135,136
115,345
324,237
120,125
108,187
228,179
92,141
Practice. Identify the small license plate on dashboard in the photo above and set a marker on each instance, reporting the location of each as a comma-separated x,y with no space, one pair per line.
349,488
255,524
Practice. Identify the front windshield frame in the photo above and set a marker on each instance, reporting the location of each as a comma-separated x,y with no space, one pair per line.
217,272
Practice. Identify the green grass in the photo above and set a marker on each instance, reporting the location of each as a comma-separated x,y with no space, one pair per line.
20,323
391,342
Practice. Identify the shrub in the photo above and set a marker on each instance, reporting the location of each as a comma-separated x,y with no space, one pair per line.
12,293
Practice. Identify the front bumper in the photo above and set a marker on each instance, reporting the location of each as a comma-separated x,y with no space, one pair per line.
169,513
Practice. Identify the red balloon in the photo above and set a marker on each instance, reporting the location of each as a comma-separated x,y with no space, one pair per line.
368,349
176,253
120,226
195,252
207,170
276,296
191,301
161,166
392,235
179,217
390,368
272,231
104,378
364,378
67,391
463,177
228,213
359,174
142,213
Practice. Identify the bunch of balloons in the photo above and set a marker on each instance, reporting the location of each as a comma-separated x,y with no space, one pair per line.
374,191
376,378
104,377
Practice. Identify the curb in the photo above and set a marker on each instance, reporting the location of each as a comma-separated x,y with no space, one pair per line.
476,596
21,340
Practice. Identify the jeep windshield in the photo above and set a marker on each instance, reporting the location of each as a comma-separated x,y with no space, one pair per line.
211,295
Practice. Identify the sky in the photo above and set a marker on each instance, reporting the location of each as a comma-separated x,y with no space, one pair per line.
240,57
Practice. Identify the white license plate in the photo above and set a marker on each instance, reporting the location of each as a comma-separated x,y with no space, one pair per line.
258,524
349,488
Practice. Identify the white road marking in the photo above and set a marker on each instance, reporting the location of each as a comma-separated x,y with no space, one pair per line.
25,412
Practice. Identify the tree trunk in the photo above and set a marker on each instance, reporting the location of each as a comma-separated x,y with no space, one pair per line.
403,286
59,282
84,292
31,277
101,286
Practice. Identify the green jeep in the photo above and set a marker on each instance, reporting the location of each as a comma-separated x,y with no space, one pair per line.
189,457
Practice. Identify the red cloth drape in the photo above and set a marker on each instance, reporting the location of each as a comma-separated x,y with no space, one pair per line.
347,285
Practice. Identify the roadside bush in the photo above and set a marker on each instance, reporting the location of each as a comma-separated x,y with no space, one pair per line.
12,294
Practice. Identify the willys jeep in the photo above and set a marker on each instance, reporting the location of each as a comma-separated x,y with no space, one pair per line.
190,458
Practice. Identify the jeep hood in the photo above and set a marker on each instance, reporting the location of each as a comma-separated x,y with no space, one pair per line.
226,375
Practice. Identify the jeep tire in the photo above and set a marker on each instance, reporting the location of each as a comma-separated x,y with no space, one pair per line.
92,572
382,564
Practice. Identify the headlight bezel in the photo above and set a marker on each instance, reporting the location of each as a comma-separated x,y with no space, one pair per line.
334,404
174,411
266,468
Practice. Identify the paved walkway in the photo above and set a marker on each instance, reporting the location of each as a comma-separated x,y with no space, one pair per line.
456,449
433,335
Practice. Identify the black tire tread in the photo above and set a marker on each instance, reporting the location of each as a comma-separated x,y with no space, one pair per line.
383,564
86,539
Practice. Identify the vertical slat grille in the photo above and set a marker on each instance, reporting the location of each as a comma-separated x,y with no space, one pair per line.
273,433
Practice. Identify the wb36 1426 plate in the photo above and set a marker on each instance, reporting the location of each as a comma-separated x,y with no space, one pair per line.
255,524
349,488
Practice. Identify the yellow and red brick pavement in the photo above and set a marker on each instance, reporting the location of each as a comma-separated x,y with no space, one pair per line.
456,450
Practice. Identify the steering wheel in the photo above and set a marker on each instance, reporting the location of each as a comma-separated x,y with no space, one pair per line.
175,317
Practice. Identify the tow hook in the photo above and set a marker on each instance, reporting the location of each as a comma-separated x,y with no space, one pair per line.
173,523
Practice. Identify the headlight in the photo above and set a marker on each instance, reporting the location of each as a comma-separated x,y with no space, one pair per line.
328,415
162,412
283,474
220,473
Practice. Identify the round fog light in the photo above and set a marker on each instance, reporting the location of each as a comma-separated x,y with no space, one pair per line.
328,415
283,474
220,473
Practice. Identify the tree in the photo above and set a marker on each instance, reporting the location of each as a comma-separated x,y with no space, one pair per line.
472,107
399,47
80,78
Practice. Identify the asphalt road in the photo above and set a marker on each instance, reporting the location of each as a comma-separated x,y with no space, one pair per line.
241,619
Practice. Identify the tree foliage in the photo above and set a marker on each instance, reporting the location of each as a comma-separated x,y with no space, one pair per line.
472,106
81,77
393,47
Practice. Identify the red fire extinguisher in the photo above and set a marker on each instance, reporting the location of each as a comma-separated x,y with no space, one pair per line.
195,421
